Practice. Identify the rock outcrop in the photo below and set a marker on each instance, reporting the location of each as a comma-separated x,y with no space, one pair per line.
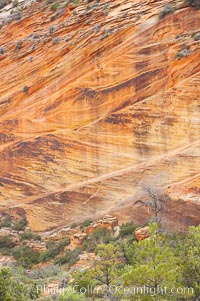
7,261
108,222
11,234
37,246
142,233
96,102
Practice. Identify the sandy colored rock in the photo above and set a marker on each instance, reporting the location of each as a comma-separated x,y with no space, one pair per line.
37,246
77,240
89,119
12,234
7,261
107,222
142,233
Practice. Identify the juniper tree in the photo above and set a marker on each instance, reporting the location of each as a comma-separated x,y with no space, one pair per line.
155,268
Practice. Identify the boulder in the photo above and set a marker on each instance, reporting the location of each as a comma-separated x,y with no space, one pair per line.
142,233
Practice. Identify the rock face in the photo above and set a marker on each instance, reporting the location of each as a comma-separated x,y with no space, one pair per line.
11,234
142,233
97,102
108,222
7,261
37,246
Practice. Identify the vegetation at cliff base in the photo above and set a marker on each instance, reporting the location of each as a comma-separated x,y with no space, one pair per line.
194,3
120,265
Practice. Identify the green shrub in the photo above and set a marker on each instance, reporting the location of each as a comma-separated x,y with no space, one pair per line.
56,40
106,33
2,51
50,254
63,243
86,223
11,290
54,249
74,225
127,230
6,221
3,3
182,53
168,9
15,3
6,242
66,3
25,256
54,6
99,236
18,45
197,36
45,272
97,28
50,244
52,18
194,3
71,296
70,257
29,235
16,15
20,225
76,2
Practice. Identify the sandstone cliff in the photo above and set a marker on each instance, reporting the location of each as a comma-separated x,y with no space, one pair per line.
98,101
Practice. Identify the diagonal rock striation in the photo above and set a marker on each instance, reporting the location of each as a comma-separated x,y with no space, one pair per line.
97,102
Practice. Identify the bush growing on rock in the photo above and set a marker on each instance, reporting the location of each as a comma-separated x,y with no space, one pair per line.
127,229
29,236
16,15
18,45
54,6
189,255
151,267
168,9
44,272
52,18
74,225
3,3
25,89
2,50
6,221
54,249
56,40
182,53
25,256
51,29
194,3
15,3
86,223
100,235
71,296
21,224
70,257
76,2
6,242
10,290
197,36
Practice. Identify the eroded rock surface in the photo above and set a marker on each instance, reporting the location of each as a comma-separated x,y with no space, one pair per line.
95,104
142,233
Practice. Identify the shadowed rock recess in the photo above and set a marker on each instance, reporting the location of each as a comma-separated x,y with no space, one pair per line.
98,101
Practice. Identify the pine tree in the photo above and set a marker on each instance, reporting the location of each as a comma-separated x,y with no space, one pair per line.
190,259
155,270
104,273
10,290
